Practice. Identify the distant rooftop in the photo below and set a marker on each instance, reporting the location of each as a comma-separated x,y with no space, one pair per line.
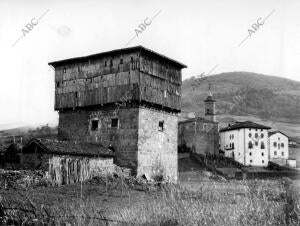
69,148
242,125
274,132
197,119
114,52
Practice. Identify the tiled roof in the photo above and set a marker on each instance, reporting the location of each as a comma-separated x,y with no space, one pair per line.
116,51
274,132
241,125
197,119
68,148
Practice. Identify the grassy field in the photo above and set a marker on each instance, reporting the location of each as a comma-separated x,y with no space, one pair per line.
126,202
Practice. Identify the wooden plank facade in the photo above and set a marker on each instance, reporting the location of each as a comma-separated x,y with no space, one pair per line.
138,73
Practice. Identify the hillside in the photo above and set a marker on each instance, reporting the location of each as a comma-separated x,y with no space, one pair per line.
244,95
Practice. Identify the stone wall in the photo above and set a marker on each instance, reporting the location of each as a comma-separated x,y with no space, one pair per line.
77,125
201,138
157,150
73,125
122,138
35,161
137,141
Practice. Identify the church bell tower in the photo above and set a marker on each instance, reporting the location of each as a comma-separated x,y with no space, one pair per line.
210,107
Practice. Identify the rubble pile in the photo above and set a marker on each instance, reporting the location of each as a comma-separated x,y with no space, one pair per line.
122,177
22,179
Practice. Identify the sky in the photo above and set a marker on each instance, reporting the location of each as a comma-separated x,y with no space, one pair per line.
205,35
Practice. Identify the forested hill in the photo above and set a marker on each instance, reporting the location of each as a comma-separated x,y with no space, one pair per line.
245,93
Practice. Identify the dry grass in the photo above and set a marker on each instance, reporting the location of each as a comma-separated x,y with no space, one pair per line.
253,202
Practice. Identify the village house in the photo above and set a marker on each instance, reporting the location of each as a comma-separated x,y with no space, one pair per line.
67,162
127,99
200,135
246,142
278,145
279,149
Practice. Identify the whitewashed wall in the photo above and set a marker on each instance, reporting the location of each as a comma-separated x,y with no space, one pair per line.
281,150
241,152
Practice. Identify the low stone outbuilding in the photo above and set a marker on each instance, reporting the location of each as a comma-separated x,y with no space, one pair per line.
67,162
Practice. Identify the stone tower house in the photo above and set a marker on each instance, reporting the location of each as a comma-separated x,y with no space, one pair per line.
210,108
127,99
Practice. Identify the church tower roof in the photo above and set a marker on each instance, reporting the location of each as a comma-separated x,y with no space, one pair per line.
209,98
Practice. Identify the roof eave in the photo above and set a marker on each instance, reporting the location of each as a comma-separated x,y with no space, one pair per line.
70,60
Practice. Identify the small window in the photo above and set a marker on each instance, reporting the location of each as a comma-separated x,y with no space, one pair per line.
105,63
250,135
275,152
250,145
64,70
282,153
111,63
232,136
114,123
282,145
57,84
262,135
251,160
275,144
263,161
232,145
256,135
256,143
121,61
165,93
95,125
161,126
262,145
278,145
76,94
262,154
250,153
131,59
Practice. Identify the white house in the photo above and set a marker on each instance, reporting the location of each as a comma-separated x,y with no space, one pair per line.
246,142
278,145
